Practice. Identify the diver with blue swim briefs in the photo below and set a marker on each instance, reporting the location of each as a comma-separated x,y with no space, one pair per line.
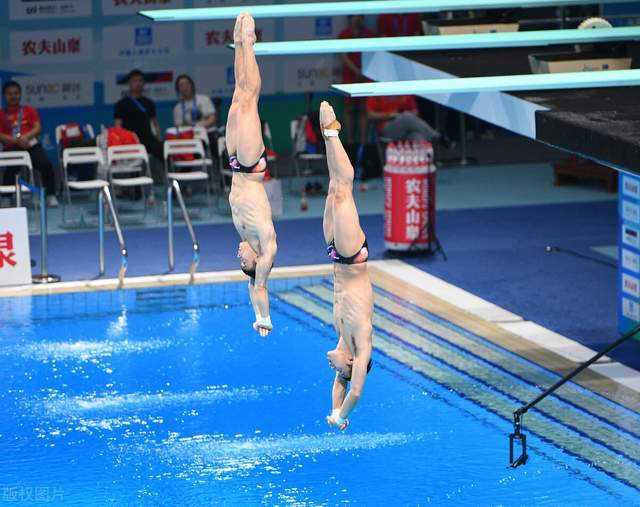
352,294
250,208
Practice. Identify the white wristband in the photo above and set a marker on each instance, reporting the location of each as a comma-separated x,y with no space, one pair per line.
330,133
264,322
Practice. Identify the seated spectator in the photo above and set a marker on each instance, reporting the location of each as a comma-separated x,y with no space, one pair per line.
19,130
397,119
196,110
192,109
352,73
137,113
398,25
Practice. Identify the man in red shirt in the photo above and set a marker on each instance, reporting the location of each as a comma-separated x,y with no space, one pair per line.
19,130
397,118
397,25
354,108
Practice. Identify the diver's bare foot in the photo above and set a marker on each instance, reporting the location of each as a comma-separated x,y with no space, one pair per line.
248,28
328,117
237,30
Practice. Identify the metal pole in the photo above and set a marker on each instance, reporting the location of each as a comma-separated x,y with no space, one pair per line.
463,140
170,225
18,192
522,410
192,233
183,207
517,434
124,255
44,276
43,232
101,233
112,210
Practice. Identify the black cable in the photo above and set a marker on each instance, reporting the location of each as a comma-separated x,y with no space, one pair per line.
551,248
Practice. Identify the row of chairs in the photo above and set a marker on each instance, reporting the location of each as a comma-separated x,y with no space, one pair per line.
128,166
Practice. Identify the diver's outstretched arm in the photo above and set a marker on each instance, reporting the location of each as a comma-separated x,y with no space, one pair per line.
258,289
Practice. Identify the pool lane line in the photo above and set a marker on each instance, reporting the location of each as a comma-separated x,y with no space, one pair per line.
491,420
486,418
523,345
567,440
604,435
592,403
621,419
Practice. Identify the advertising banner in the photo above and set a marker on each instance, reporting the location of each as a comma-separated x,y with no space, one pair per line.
212,37
44,9
310,74
68,45
15,259
217,80
629,252
158,84
128,7
57,90
229,3
141,43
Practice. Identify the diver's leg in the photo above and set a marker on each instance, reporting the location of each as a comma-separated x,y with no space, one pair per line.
249,130
347,234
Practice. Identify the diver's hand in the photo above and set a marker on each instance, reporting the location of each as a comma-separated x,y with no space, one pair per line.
263,325
335,420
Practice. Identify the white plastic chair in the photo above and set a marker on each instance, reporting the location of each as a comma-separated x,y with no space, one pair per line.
88,129
19,159
128,167
196,169
88,155
199,133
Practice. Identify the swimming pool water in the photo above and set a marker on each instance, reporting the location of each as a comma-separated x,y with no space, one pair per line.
168,397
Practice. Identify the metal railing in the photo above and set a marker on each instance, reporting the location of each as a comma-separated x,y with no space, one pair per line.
124,257
175,187
44,276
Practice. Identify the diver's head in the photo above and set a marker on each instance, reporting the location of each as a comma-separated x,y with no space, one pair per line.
341,361
248,259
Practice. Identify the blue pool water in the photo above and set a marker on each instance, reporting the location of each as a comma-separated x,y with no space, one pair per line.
168,397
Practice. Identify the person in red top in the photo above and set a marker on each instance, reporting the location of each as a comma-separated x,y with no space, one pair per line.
19,130
397,119
352,73
397,25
